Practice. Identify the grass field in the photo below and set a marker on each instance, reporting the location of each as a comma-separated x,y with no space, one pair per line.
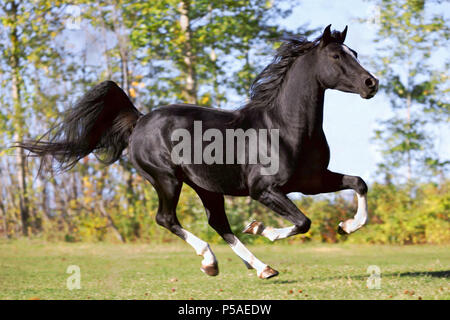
31,269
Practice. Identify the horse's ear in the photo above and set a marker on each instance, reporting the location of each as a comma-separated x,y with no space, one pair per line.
326,36
343,34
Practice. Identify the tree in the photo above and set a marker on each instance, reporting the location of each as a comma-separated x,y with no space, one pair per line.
408,35
192,48
27,31
189,51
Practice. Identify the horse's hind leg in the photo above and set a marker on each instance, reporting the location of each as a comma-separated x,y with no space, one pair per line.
217,219
169,189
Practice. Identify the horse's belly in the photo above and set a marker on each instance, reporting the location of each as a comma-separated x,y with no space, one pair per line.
225,179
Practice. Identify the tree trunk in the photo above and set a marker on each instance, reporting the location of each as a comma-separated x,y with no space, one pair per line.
125,72
19,125
190,89
103,211
122,42
3,211
213,56
10,194
408,118
4,220
105,53
45,201
111,223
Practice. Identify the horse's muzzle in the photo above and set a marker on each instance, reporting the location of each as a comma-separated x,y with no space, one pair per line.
370,87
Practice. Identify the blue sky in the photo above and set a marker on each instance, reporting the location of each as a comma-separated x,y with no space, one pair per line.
349,120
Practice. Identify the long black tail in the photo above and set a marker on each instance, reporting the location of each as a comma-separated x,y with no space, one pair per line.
100,122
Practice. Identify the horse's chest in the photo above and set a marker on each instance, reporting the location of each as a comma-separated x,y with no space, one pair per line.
314,155
312,160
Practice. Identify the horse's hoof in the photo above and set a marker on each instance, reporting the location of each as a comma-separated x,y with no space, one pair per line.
268,273
341,231
347,227
211,270
252,227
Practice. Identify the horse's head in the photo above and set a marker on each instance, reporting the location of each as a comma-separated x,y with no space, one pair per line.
338,66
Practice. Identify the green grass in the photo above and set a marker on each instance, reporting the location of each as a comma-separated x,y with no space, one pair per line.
31,269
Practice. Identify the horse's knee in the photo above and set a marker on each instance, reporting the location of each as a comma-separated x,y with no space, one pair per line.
356,183
303,226
360,186
167,221
162,220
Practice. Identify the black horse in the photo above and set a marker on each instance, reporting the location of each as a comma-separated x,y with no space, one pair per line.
286,97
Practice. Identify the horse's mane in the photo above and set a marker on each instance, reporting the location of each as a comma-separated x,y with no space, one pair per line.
266,86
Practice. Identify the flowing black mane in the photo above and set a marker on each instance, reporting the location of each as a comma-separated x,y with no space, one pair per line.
266,86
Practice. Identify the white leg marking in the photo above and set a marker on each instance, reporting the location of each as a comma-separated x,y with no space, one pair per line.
360,218
278,233
246,255
246,264
201,248
272,234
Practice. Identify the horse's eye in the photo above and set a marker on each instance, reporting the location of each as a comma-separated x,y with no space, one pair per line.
336,56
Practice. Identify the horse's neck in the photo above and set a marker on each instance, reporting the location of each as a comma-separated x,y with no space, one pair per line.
301,104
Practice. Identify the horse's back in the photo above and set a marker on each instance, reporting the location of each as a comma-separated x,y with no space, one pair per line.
194,112
151,147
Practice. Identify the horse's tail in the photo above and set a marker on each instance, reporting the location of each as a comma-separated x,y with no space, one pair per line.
100,122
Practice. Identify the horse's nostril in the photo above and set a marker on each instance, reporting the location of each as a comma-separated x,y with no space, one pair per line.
370,83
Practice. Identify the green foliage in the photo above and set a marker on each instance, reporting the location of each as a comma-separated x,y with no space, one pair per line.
409,36
201,51
201,41
395,216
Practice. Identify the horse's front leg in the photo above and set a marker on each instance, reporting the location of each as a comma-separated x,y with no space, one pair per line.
351,225
329,182
332,182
